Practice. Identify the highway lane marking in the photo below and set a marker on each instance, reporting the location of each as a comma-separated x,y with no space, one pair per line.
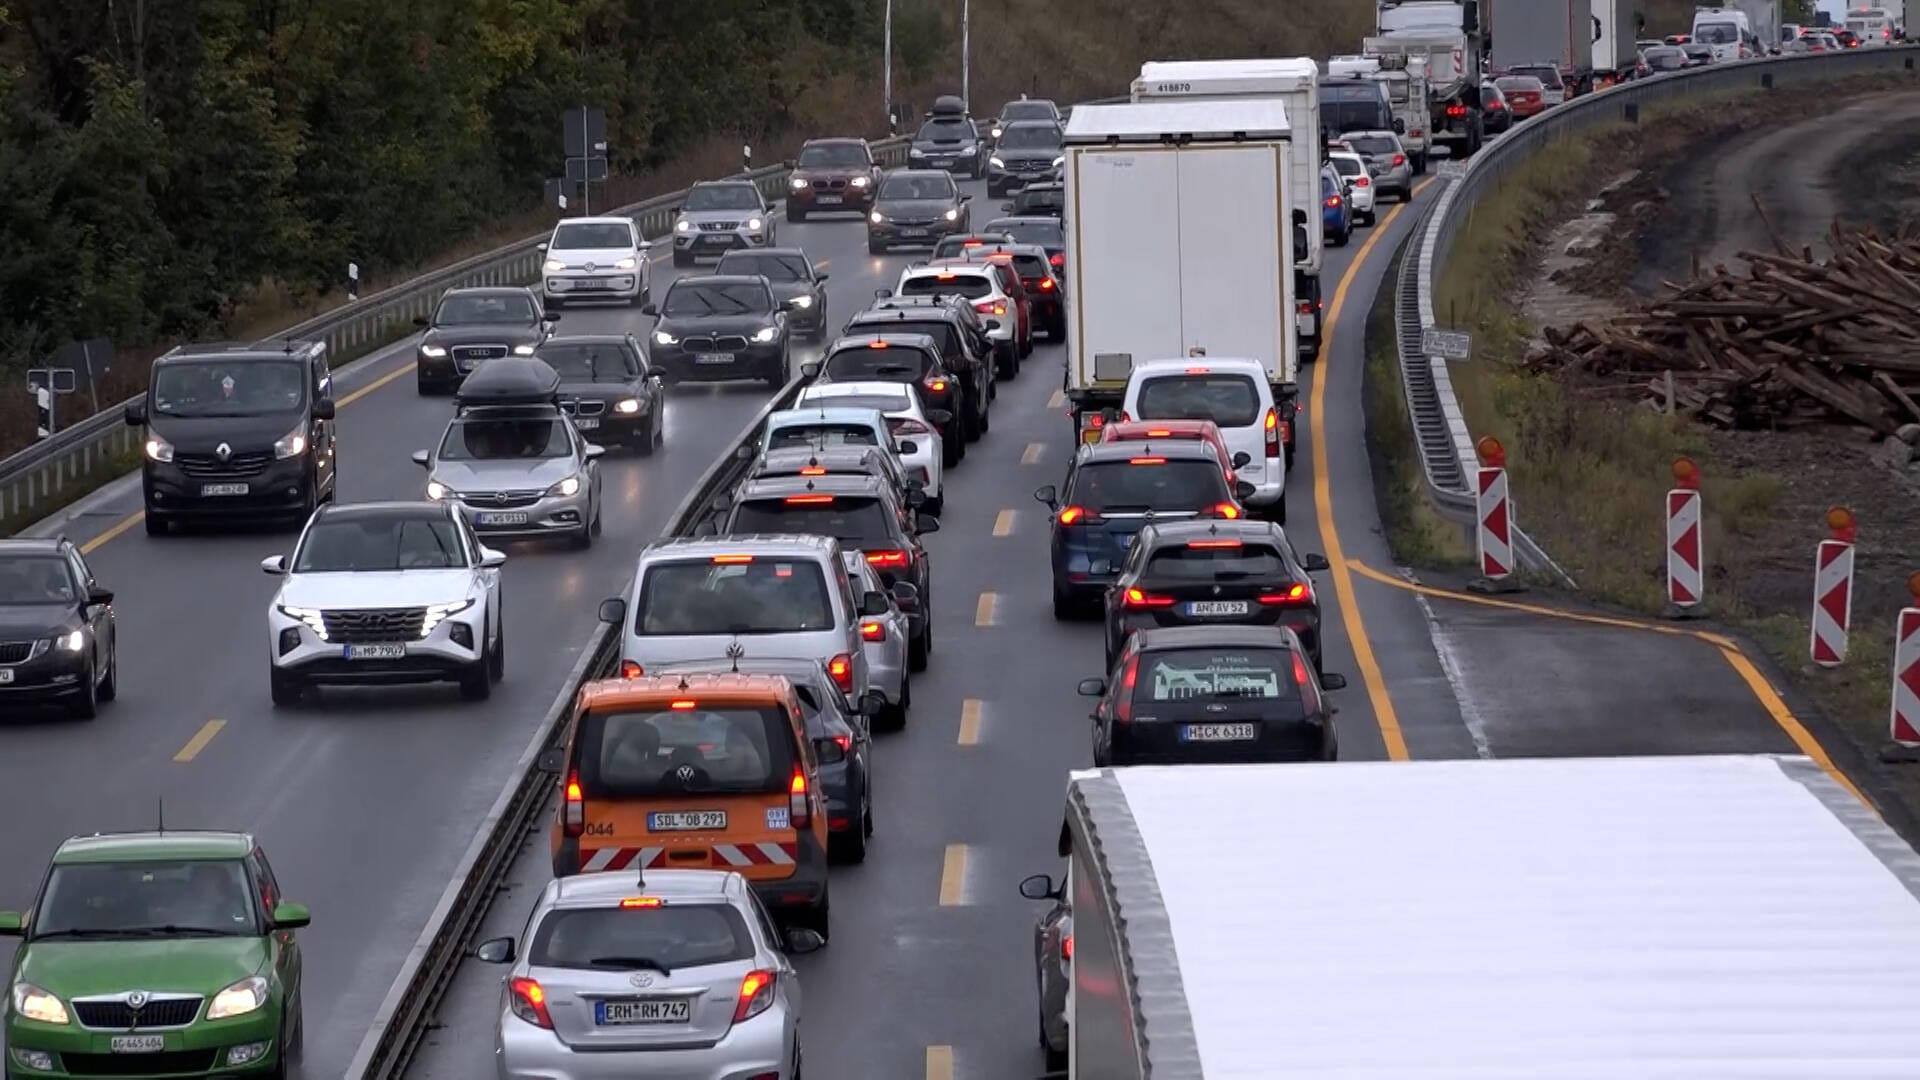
987,611
1031,455
374,385
1058,400
119,527
970,722
199,741
1003,525
1730,650
953,876
1384,716
939,1063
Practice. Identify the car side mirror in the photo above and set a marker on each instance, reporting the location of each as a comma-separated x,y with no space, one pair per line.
595,451
1038,887
12,924
549,317
1333,680
498,950
801,941
651,309
882,294
925,524
873,703
136,414
324,409
422,458
965,198
906,593
553,759
491,559
291,916
873,604
939,417
274,564
1242,459
1243,490
821,277
540,247
1315,562
99,597
1092,687
422,320
1048,495
907,446
810,370
613,610
1006,208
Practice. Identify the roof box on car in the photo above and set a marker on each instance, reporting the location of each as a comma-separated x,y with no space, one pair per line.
949,105
510,381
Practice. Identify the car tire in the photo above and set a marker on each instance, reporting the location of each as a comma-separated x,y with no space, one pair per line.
286,689
1367,219
935,504
1063,609
497,655
1006,362
156,525
851,847
86,706
952,449
475,682
986,412
896,714
1277,513
1056,1059
681,258
920,648
110,686
875,247
795,214
818,917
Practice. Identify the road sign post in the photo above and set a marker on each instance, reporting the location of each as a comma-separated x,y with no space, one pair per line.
46,385
1493,519
1446,344
585,133
1832,591
1686,556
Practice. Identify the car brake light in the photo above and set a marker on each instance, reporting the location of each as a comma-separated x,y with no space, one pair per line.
936,385
808,500
1273,433
633,902
1333,201
1066,947
1361,181
887,558
799,807
1295,595
1199,370
574,821
1398,159
1456,110
730,560
844,742
1046,285
1123,708
1159,433
631,670
529,1002
1224,510
813,470
841,668
1057,260
1205,544
1078,515
1135,598
756,995
872,631
1147,461
876,344
945,277
684,705
1306,307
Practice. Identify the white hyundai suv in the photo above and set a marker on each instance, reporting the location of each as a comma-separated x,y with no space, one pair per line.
386,592
596,258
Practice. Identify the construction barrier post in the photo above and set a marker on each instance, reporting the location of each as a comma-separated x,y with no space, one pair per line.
1905,721
1686,559
1833,591
1493,514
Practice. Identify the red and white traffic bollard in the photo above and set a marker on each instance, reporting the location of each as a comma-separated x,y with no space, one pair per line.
1906,671
1685,552
1833,591
1493,513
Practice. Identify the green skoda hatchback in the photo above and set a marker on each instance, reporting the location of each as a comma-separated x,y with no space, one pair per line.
155,955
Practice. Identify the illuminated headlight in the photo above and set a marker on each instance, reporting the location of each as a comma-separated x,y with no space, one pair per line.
569,486
796,183
876,218
434,351
969,151
661,337
683,226
627,263
996,133
243,997
554,266
916,152
32,1003
996,162
859,181
523,350
953,215
73,642
439,613
753,224
309,617
629,406
437,490
292,444
803,302
159,449
765,335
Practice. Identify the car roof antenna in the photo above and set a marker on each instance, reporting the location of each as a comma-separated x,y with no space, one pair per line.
160,815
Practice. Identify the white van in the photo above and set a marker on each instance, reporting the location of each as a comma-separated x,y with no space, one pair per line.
1873,26
1727,31
1235,395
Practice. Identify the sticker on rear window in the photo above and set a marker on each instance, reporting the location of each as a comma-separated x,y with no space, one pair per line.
779,817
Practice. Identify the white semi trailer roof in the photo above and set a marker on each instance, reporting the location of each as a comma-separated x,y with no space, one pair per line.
1625,917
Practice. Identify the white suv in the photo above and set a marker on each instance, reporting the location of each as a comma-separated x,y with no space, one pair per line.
596,258
977,286
1235,395
386,592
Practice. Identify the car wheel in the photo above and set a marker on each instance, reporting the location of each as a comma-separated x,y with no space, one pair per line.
1367,219
875,247
816,918
110,686
156,525
681,258
986,412
952,448
896,715
794,213
1006,363
851,846
497,655
599,519
1062,607
86,705
286,689
475,685
648,440
1278,513
1056,1059
920,647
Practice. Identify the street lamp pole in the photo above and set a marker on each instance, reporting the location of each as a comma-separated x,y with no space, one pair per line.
966,54
886,66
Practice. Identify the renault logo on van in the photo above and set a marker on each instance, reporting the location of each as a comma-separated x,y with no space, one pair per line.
223,451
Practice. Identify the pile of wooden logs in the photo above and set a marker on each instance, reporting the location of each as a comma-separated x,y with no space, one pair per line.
1795,341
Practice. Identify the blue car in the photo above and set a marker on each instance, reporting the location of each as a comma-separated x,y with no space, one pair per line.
1112,490
1336,209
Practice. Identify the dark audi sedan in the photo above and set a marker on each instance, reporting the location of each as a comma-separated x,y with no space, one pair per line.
718,329
832,175
1213,694
608,388
801,290
916,206
472,326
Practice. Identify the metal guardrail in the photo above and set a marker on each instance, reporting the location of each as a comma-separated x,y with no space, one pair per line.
1445,444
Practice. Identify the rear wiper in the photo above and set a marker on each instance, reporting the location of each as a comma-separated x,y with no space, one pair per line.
631,963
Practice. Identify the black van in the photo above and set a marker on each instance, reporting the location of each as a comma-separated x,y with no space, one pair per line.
237,433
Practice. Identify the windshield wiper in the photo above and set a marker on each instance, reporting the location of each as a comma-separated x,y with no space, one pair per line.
631,962
54,935
172,930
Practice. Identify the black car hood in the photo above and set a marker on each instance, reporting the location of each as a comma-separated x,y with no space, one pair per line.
242,434
787,290
682,325
599,391
30,622
510,333
917,209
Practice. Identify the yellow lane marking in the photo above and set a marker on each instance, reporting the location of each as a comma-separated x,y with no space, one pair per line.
953,875
199,741
374,385
987,611
1383,712
1730,650
939,1063
1031,455
1003,525
970,722
1058,400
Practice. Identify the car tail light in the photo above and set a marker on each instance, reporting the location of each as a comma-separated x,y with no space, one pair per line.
1300,677
1066,947
1123,708
1456,110
909,427
756,995
731,560
1057,260
528,1000
872,631
1361,181
935,383
876,344
887,558
1208,544
1222,510
808,500
1333,201
841,668
684,705
1306,307
799,806
1139,600
1273,433
630,669
574,814
1078,515
1398,160
1147,461
844,742
813,470
1299,594
1046,284
632,903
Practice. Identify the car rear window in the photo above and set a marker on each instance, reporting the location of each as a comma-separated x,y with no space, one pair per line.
1347,166
1549,77
821,436
971,286
1228,400
940,330
1371,144
856,521
1122,487
765,595
1184,563
1030,266
671,937
863,364
697,750
1047,234
1186,674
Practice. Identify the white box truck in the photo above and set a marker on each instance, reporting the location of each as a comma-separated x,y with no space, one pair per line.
1295,81
1726,916
1177,222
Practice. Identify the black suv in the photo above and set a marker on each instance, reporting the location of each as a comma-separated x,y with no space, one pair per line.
237,433
913,359
471,326
953,325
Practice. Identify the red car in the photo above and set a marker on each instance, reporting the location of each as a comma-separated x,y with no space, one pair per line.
1524,94
1205,431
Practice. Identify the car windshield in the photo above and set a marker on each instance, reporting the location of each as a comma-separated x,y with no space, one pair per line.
1026,110
1031,137
862,364
770,266
857,521
907,188
504,439
1728,33
377,544
37,579
1046,234
218,388
691,749
1372,144
1185,674
1123,487
764,595
1228,400
665,938
1183,563
703,197
879,402
486,309
1348,166
834,156
946,129
591,361
696,297
971,286
591,236
821,435
157,898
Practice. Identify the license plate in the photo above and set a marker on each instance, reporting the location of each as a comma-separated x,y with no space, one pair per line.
916,232
517,517
223,489
1306,324
6,676
592,283
713,358
586,423
944,163
829,200
137,1044
1218,732
685,820
385,651
643,1011
716,241
1217,607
